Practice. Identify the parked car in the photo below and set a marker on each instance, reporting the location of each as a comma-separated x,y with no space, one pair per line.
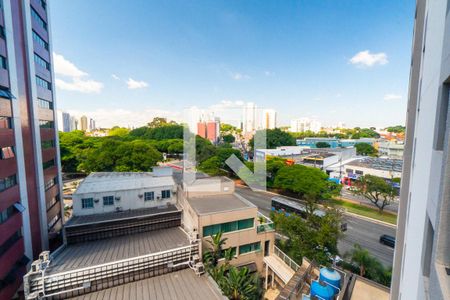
387,240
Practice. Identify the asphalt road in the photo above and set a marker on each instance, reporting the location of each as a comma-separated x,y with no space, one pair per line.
361,231
393,207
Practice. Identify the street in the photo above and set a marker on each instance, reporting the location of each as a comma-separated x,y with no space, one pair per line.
361,231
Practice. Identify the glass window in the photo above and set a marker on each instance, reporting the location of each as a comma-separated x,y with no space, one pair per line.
7,213
45,104
10,241
249,248
48,164
51,183
149,196
4,93
108,200
227,227
244,224
7,152
2,32
38,18
6,183
39,40
5,123
43,83
48,144
165,194
87,203
44,4
46,124
3,63
41,62
52,201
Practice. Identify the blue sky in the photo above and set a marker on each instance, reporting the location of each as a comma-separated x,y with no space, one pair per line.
123,62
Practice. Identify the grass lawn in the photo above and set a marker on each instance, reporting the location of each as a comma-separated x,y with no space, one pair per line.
366,211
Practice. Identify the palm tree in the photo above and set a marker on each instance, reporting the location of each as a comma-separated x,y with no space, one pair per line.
216,243
362,258
239,284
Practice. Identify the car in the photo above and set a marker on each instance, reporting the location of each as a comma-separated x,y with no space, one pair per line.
387,240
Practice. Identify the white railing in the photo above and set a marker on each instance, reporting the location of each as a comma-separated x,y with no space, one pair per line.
266,225
287,260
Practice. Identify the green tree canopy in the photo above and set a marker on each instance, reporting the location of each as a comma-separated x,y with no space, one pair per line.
376,190
275,138
365,149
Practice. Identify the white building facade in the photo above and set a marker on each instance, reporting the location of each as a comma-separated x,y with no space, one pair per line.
305,124
422,254
269,119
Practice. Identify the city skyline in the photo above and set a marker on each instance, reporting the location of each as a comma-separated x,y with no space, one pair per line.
355,58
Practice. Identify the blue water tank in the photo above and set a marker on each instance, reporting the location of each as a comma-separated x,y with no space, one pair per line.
332,277
306,297
322,290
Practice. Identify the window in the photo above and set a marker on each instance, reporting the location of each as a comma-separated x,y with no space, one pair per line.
165,194
37,38
51,183
6,152
52,202
10,241
6,183
2,32
45,104
38,18
41,62
48,144
249,248
48,164
233,251
350,171
108,200
7,213
6,94
44,4
359,172
53,222
46,124
3,63
87,203
149,196
5,123
228,227
43,83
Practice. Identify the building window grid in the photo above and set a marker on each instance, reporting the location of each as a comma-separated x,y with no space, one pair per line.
40,61
43,83
252,247
7,182
46,124
149,196
37,38
5,122
38,18
3,62
52,182
108,200
7,213
45,104
165,194
87,203
228,227
2,32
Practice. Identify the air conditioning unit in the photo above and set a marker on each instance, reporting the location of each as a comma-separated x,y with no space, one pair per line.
199,268
36,266
33,296
118,208
117,198
44,256
158,198
140,195
96,200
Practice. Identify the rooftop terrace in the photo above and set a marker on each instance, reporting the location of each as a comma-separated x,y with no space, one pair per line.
216,203
183,284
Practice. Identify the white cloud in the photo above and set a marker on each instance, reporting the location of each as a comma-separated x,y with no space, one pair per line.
268,73
367,59
80,85
114,76
135,84
239,76
75,79
389,97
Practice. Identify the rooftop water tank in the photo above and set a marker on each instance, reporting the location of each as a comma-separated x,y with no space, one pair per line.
306,297
332,277
322,290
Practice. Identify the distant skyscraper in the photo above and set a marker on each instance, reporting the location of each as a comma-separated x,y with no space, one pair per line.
84,123
31,205
209,129
73,123
269,119
249,118
91,124
64,124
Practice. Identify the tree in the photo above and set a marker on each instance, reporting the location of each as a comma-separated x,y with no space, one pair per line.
396,129
239,284
376,190
365,149
275,138
362,258
211,166
118,131
322,145
159,122
228,138
215,251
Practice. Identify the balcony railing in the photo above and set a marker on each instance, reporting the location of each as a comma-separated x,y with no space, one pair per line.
264,224
287,260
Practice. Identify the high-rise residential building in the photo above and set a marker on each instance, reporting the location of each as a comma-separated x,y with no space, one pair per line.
201,129
83,125
92,126
269,120
30,203
73,123
209,129
421,260
305,124
64,121
250,119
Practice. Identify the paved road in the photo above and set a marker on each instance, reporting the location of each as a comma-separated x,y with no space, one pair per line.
393,207
361,231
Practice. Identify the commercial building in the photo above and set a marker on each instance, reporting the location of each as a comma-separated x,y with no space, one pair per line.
421,260
391,149
30,206
333,142
381,167
305,124
84,123
209,129
250,119
64,122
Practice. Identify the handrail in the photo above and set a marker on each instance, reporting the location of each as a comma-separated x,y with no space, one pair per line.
287,260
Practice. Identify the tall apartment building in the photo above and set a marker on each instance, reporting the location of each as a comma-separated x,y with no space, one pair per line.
30,203
209,130
64,121
84,123
305,124
269,119
250,118
421,259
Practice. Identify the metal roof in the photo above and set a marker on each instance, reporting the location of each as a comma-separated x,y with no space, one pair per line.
217,203
384,164
120,181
